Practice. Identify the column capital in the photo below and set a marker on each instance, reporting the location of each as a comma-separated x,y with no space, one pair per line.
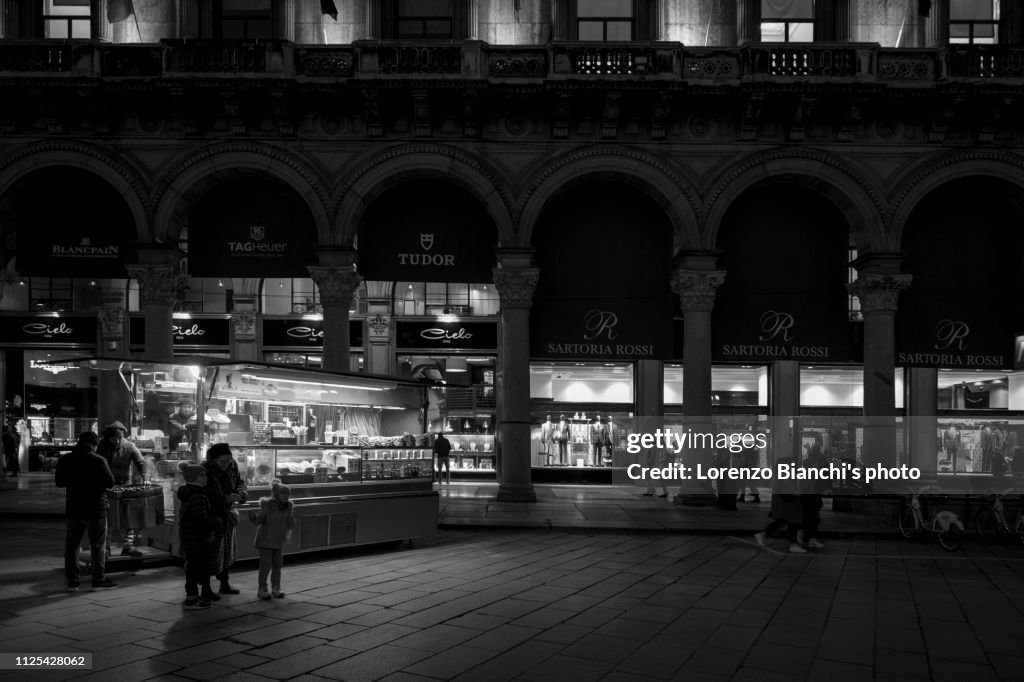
158,284
878,293
245,325
111,324
380,327
696,288
516,287
337,285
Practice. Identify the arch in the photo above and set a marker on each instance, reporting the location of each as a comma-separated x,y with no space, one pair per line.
179,189
408,162
935,172
669,187
858,199
124,179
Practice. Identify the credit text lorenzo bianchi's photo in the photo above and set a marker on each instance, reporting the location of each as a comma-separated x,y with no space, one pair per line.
512,340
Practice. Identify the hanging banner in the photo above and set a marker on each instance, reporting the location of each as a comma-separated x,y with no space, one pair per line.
199,332
292,333
779,302
949,332
48,331
251,228
446,335
427,231
604,329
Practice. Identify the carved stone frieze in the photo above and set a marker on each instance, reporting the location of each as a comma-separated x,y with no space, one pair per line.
337,285
879,293
516,287
696,288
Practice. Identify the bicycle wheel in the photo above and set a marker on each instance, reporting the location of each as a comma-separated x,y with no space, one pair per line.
988,526
905,521
951,538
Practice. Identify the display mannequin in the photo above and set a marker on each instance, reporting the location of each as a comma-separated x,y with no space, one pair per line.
610,437
547,436
598,435
561,437
951,444
987,438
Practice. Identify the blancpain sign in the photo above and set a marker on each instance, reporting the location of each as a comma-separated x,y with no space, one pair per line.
85,249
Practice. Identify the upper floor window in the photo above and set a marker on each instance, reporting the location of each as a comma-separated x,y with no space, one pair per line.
244,19
604,20
787,21
64,19
445,298
431,19
973,21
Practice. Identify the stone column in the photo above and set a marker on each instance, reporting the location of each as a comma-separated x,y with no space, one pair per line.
282,16
936,30
102,30
188,19
159,286
560,28
921,396
784,409
337,284
845,18
878,286
515,279
373,27
1011,24
748,21
696,290
9,19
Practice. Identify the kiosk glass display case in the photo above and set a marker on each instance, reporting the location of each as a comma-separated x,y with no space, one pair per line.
353,448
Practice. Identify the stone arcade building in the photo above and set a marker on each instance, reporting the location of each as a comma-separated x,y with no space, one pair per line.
656,189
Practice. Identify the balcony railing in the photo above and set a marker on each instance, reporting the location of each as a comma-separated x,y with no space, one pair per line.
473,60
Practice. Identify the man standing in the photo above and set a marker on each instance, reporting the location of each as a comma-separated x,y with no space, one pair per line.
443,448
121,456
86,476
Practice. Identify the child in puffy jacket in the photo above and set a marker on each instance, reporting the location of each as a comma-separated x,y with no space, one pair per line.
275,521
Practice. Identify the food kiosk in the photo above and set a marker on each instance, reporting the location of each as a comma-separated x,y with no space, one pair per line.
355,449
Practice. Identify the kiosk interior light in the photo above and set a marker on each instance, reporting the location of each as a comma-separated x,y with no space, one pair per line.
313,383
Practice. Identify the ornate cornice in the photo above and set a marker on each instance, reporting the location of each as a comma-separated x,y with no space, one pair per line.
677,178
879,293
696,288
516,287
933,169
71,147
427,149
207,152
336,285
757,162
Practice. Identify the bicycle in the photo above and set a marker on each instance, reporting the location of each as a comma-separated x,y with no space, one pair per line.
991,523
946,526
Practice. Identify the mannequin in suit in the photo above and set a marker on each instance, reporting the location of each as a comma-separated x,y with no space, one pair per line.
611,435
598,435
951,444
988,437
562,438
547,436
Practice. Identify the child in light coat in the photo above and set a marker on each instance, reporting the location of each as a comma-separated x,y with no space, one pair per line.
275,521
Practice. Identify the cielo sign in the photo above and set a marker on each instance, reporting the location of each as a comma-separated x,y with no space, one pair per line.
305,333
776,339
446,334
47,330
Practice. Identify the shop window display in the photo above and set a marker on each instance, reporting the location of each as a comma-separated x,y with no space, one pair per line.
582,413
980,390
979,446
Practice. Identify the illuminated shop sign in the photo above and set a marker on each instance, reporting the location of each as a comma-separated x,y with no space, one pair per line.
580,328
196,331
972,340
780,335
301,333
441,335
65,331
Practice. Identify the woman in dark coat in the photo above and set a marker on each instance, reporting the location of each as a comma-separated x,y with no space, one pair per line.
225,488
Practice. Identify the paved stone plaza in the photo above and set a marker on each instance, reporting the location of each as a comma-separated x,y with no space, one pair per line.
491,604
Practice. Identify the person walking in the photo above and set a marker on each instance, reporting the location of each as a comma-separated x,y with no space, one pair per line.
122,456
787,511
85,476
10,441
224,488
275,521
197,530
442,449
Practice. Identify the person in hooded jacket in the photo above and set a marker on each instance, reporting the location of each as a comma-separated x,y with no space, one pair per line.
225,488
86,476
197,530
275,521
